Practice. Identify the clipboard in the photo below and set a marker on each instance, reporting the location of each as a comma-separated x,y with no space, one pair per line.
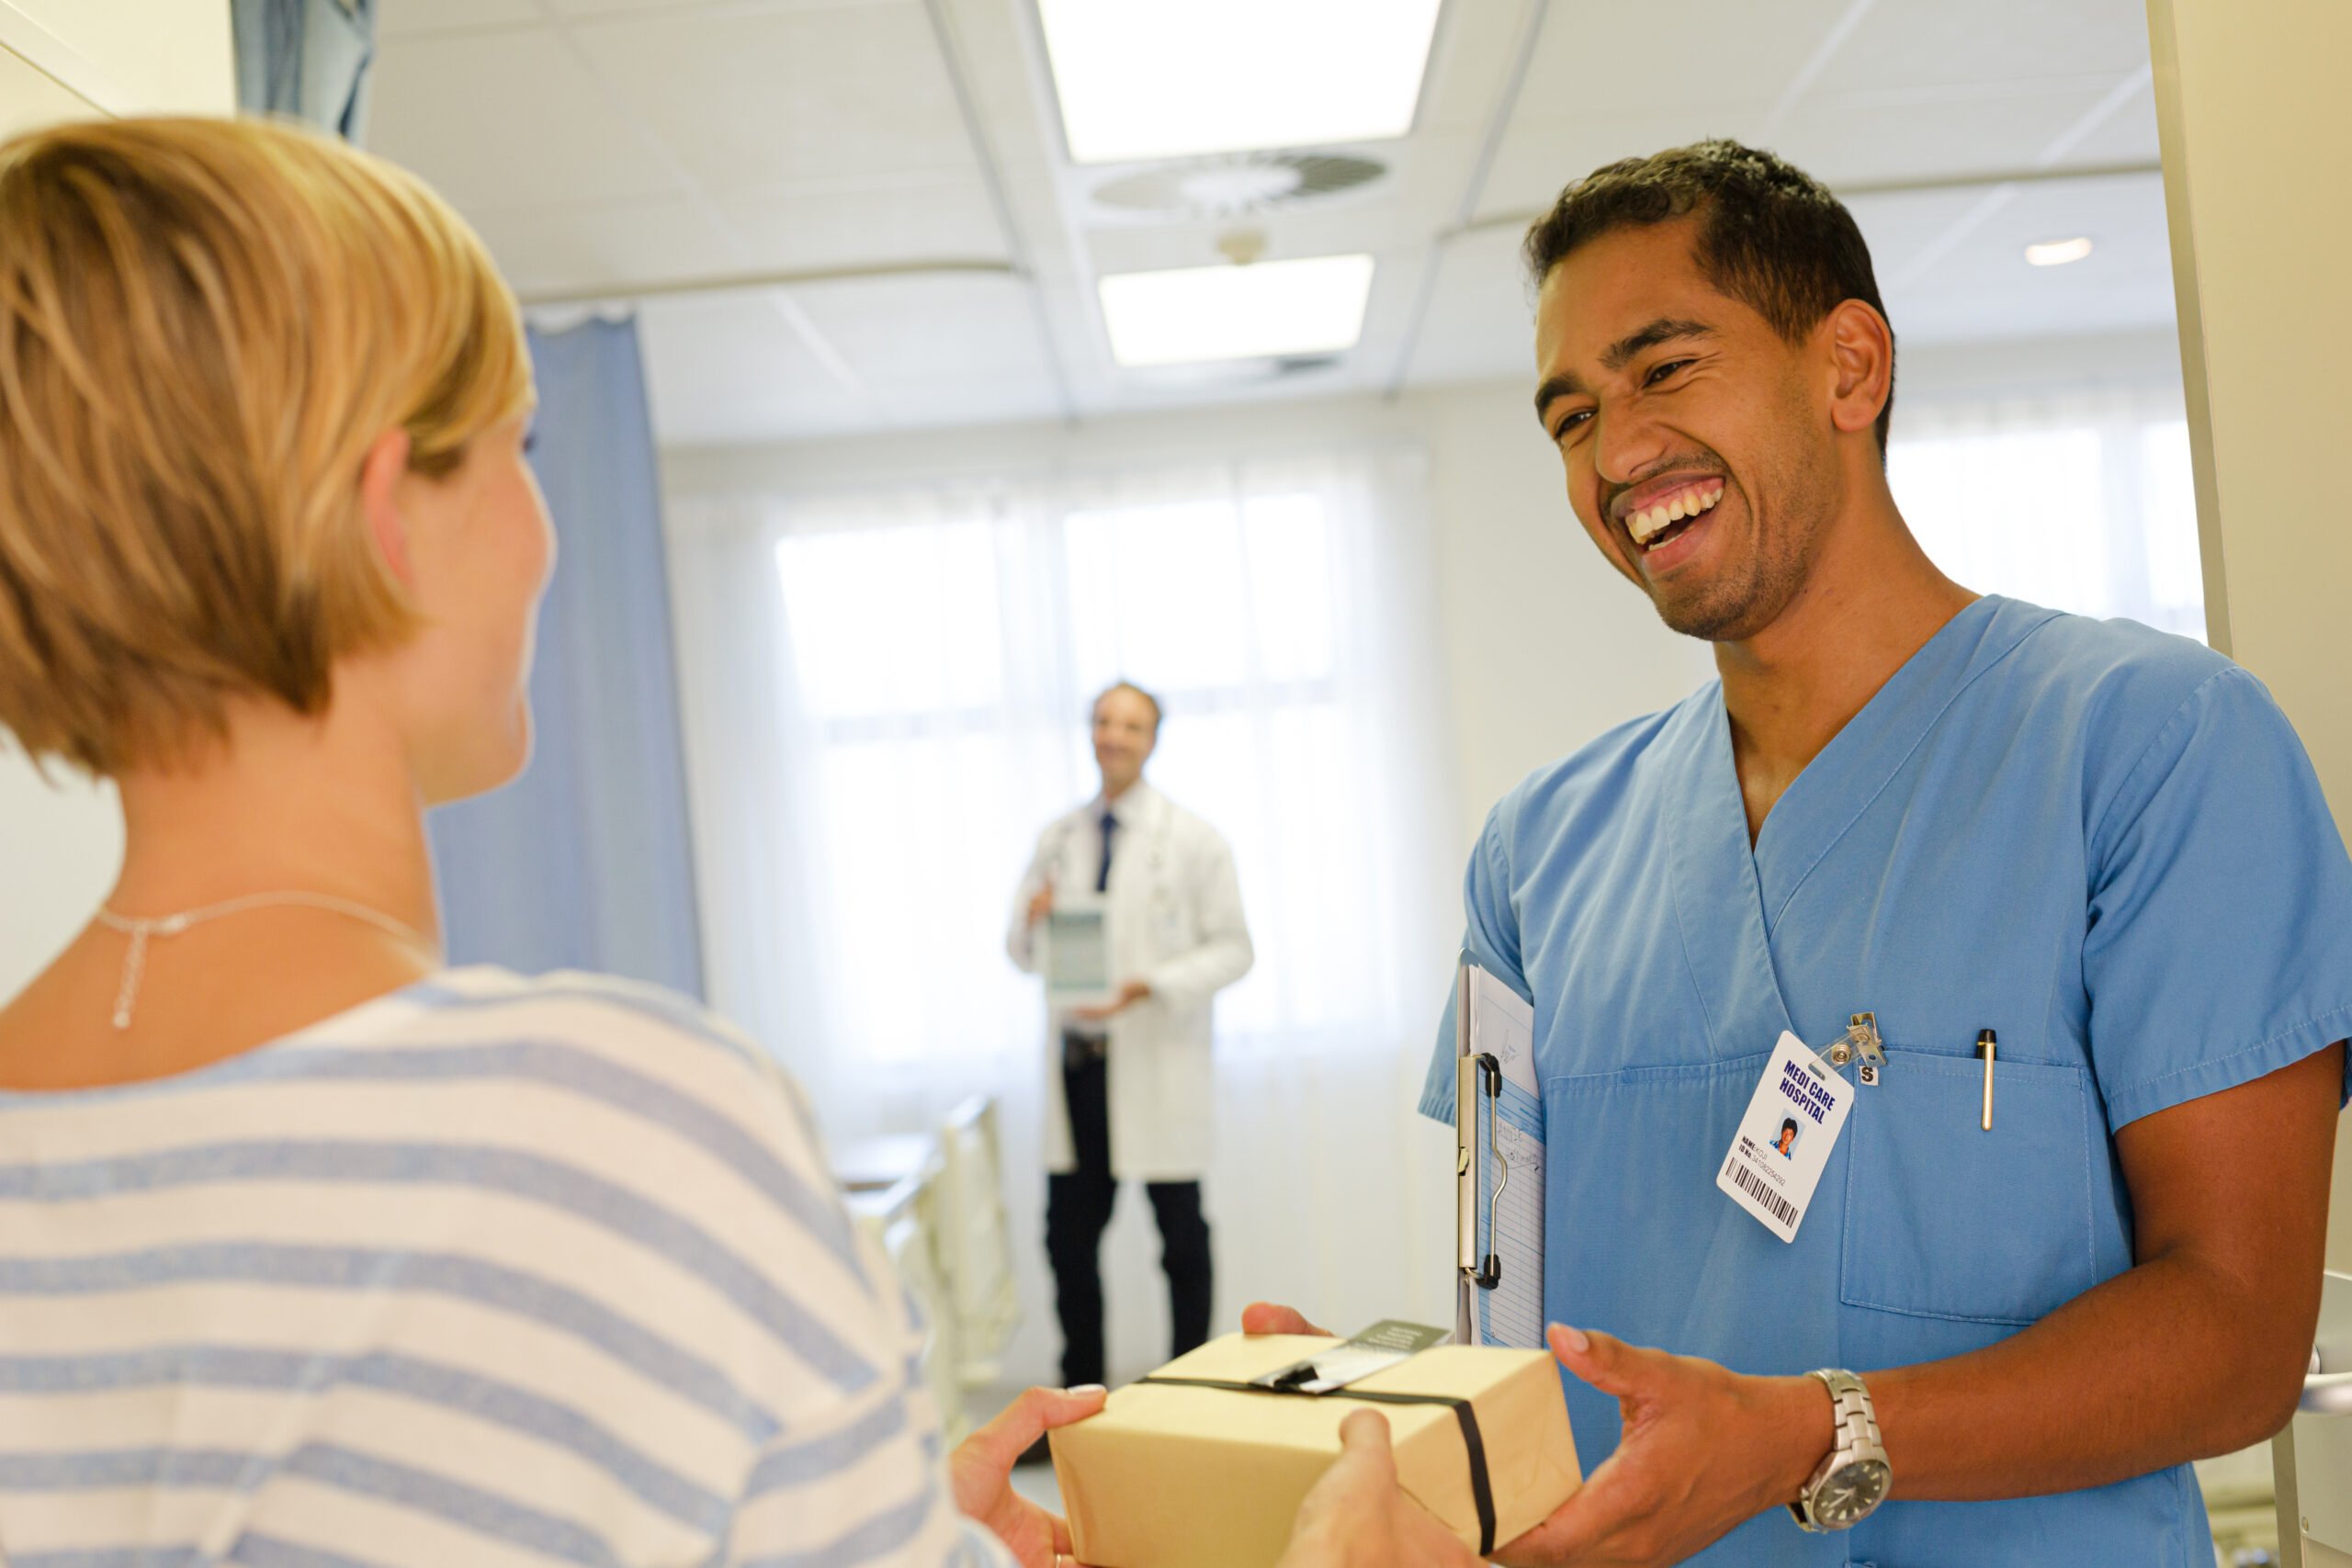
1075,952
1497,1165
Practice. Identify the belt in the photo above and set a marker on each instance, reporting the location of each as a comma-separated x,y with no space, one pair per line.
1482,1490
1082,1050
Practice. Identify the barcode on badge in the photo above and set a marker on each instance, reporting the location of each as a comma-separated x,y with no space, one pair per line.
1753,1186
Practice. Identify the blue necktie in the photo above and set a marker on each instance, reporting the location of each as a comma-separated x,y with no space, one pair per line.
1110,826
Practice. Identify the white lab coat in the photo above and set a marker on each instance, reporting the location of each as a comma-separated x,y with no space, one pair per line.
1176,924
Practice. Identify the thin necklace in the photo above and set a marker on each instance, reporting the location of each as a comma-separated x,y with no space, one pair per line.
140,928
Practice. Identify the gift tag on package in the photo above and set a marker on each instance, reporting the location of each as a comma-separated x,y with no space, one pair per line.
1386,1344
1785,1136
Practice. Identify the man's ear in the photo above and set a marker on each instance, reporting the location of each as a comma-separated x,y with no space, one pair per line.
380,474
1862,359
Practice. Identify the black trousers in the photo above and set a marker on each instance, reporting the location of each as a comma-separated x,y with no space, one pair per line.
1078,1208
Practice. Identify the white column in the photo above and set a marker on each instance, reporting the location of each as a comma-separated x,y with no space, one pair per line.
2256,128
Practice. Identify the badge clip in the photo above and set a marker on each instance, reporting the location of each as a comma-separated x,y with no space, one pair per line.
1861,1042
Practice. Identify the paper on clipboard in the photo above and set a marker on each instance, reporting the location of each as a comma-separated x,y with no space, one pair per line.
1500,1167
1075,939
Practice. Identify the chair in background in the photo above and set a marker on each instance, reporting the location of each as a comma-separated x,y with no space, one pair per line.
904,1221
935,1206
976,1240
2314,1456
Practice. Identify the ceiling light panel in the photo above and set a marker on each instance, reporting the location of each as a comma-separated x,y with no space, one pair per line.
1258,312
2058,252
1142,79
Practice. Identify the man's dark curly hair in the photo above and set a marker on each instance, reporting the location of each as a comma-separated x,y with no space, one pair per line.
1770,235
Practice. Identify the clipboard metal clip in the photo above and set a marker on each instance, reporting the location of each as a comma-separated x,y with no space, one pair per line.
1478,1084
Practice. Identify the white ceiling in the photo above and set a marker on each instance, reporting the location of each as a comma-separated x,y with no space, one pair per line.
606,146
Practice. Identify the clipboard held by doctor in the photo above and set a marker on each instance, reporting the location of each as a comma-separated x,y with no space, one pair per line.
1075,952
1498,1165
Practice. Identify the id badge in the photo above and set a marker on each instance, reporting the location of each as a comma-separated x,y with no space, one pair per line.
1785,1136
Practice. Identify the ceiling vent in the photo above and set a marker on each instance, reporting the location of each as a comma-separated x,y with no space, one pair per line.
1237,185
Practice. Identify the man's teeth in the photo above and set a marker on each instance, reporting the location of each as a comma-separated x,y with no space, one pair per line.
1649,522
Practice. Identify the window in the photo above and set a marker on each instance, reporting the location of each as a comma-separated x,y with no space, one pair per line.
2083,504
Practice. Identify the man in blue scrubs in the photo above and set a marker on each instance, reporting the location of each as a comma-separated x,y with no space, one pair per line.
1961,814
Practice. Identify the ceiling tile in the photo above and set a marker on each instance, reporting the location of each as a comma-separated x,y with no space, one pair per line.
905,328
1704,61
1481,322
1882,143
727,368
1926,43
506,119
1983,287
764,97
607,248
408,18
589,10
919,218
2129,135
1537,157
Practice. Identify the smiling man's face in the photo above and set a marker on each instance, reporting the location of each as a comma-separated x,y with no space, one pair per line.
1697,441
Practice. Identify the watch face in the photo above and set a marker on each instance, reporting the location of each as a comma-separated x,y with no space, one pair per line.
1851,1491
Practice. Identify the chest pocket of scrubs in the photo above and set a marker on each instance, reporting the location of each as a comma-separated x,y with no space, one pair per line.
1946,1220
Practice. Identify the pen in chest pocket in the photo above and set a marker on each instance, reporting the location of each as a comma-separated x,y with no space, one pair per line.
1984,1048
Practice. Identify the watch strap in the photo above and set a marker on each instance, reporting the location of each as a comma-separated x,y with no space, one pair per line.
1854,1434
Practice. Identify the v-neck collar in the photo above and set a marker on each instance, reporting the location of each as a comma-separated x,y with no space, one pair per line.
1729,897
1718,903
1838,784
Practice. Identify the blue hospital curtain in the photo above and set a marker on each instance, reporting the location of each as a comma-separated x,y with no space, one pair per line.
307,58
585,862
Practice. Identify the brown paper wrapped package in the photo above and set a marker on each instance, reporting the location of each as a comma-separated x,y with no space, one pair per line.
1175,1477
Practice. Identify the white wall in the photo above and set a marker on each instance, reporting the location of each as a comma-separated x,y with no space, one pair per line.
119,56
60,60
59,848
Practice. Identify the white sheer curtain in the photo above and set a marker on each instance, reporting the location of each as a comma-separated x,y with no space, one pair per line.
2081,502
886,699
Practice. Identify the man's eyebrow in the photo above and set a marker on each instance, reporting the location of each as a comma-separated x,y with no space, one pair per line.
1557,387
1665,329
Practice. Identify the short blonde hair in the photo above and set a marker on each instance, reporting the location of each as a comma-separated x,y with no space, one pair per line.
204,325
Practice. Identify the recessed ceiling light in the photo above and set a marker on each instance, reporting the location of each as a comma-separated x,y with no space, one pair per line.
2058,252
1196,314
1173,78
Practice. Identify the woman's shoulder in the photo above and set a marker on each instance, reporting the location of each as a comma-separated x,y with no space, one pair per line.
572,1000
623,1037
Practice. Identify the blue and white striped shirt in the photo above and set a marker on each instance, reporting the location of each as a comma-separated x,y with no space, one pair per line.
488,1271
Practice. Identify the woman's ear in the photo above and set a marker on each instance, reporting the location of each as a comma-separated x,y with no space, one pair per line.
1862,354
380,475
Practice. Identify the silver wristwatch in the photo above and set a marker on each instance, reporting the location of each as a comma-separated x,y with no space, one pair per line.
1855,1477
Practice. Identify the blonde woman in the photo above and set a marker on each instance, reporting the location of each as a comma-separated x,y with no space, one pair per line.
312,1253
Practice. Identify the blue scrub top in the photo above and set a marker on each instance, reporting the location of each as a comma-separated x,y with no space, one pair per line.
2103,842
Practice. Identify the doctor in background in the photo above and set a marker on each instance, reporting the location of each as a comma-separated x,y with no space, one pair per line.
1131,1098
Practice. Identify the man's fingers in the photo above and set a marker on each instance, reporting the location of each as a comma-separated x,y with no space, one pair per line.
1592,1510
1271,1317
1364,1469
1605,1362
1365,1435
1031,1416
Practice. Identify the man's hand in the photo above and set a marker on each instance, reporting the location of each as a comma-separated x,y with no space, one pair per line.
981,1472
1041,904
1357,1517
1266,1317
1129,995
1704,1450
